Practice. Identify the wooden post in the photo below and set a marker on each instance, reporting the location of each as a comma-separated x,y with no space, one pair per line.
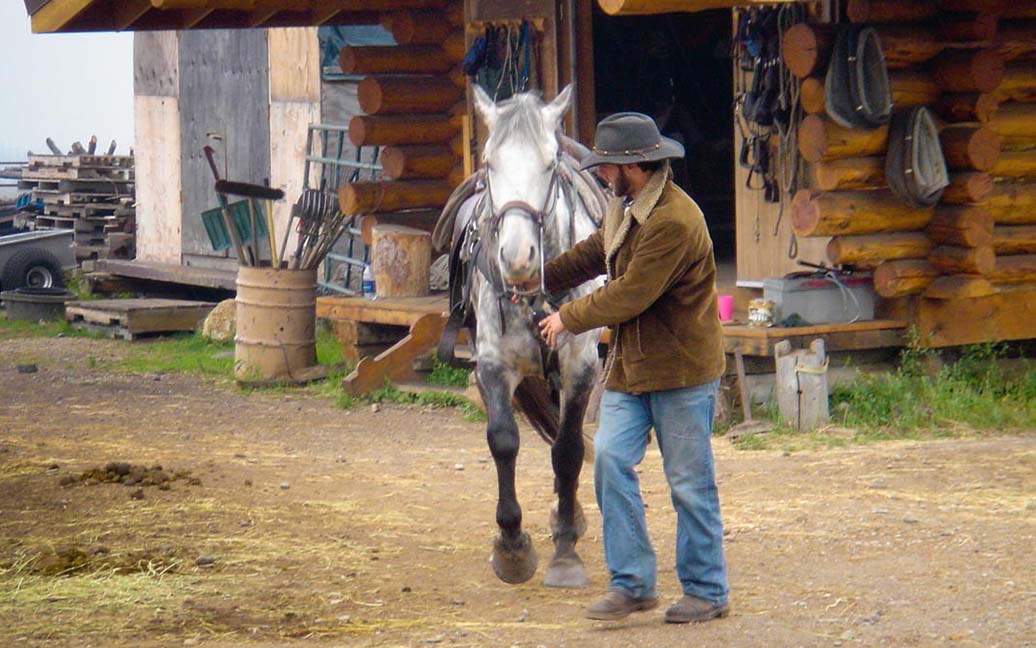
822,139
868,251
951,259
394,95
366,197
802,384
968,70
854,212
967,187
422,219
970,148
903,277
419,161
401,258
365,130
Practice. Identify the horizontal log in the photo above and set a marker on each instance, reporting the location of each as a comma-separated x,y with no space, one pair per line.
959,287
848,173
967,187
395,59
964,70
457,144
961,225
1015,123
903,277
454,46
647,7
970,148
1016,165
834,213
822,139
1016,39
367,130
968,26
966,107
394,95
1014,239
951,259
417,161
1014,9
806,48
1012,203
1014,270
367,197
868,251
962,6
1019,82
913,87
422,219
907,45
889,11
811,95
419,27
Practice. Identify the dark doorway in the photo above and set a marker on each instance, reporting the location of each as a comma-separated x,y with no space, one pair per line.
678,69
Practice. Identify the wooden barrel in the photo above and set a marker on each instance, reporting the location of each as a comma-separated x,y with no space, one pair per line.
276,323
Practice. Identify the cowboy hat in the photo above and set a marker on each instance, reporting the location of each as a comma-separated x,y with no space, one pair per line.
628,138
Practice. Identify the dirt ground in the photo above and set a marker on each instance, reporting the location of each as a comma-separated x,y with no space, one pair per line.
286,521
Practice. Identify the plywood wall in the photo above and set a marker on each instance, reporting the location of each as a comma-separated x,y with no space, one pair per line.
157,136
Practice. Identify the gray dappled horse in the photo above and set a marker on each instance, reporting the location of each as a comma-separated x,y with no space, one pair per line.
529,203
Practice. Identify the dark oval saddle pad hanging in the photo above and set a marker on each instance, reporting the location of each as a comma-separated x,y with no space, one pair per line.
857,90
914,164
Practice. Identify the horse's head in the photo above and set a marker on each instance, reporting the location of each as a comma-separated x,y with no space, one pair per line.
521,158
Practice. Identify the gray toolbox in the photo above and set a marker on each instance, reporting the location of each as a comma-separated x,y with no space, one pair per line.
821,297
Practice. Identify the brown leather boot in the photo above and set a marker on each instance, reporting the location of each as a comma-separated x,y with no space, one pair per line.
618,605
691,609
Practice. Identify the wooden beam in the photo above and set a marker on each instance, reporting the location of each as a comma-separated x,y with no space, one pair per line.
54,15
126,13
903,277
647,7
833,213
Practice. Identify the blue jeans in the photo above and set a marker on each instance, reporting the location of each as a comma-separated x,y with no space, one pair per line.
682,419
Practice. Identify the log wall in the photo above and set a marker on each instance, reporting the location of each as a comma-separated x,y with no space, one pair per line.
976,71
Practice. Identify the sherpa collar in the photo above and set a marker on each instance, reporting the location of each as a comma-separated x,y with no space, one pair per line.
649,195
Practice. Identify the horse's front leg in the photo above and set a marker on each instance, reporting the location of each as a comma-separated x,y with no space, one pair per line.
566,568
514,557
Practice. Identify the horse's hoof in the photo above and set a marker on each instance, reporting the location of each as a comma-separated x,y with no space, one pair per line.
579,519
566,572
514,561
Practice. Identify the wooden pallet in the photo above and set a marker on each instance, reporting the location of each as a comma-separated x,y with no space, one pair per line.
115,188
87,160
131,318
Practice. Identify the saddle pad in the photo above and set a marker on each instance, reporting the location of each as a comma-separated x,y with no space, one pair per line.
915,168
857,91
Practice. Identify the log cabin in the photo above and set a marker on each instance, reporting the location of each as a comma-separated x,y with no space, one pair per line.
961,272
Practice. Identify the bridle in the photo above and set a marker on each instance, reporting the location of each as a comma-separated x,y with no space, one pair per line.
525,210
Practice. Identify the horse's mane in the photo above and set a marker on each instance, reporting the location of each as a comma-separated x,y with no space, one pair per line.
518,117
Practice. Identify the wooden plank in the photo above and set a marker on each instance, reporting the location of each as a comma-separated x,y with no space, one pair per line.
294,62
289,123
157,131
171,273
137,316
852,336
398,311
1007,315
396,364
156,72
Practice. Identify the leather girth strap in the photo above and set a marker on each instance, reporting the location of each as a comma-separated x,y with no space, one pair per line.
857,92
915,168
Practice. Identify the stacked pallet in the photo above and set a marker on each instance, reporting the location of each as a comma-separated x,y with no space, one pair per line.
91,194
413,97
941,55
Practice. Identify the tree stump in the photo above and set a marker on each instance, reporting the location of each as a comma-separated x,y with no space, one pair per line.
401,260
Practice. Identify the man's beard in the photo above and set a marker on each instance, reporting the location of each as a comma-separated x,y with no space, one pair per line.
621,186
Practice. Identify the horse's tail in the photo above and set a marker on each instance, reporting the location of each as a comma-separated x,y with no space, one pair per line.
536,401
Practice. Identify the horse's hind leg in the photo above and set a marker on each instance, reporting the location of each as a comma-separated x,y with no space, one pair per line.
514,557
566,568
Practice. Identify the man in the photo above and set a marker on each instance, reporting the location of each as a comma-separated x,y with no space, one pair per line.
662,370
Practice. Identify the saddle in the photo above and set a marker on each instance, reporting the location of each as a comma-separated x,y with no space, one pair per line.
915,168
857,90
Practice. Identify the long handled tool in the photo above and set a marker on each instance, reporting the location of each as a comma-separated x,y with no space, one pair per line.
210,154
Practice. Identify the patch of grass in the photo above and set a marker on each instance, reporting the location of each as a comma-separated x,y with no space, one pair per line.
443,374
180,353
927,396
392,394
11,329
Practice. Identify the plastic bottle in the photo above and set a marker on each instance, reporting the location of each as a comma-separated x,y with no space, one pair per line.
369,289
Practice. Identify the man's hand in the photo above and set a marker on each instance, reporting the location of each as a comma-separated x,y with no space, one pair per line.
551,327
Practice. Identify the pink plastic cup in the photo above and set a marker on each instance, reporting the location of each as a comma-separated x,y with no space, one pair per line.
726,307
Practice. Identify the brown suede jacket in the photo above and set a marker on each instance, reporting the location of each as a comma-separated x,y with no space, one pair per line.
660,298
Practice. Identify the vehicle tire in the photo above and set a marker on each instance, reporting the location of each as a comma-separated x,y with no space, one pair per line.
32,268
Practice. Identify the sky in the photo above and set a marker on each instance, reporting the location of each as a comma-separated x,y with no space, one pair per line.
63,86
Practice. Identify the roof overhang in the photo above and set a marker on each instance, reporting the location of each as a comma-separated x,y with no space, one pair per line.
51,16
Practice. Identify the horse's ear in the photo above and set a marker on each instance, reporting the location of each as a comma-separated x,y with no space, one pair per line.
484,105
553,111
